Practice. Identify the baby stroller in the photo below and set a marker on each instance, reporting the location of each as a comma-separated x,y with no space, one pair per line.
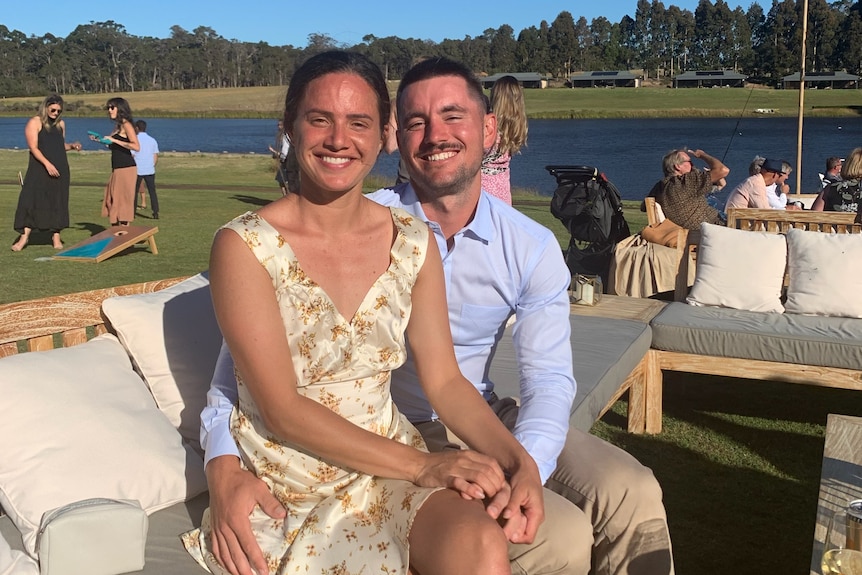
590,208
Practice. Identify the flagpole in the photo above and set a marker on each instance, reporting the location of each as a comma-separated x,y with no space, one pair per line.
801,99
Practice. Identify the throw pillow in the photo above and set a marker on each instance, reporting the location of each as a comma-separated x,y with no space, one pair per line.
825,277
80,424
173,339
666,233
739,269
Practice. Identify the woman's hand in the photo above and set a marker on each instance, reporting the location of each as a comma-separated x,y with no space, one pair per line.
52,171
473,475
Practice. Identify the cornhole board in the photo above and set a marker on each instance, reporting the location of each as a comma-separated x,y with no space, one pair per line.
108,243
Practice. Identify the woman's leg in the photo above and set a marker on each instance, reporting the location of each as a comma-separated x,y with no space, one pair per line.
22,240
452,536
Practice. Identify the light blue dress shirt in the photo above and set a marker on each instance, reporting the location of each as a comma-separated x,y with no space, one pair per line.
502,263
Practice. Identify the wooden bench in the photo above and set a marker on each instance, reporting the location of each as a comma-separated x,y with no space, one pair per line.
772,221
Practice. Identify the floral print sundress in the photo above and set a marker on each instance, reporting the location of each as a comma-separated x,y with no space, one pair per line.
339,521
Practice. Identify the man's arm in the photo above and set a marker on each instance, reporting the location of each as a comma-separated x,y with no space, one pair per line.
234,492
717,170
542,340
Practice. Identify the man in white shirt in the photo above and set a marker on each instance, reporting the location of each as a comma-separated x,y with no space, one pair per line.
497,263
146,159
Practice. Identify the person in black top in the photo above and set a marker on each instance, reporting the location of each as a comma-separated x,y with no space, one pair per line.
119,203
44,200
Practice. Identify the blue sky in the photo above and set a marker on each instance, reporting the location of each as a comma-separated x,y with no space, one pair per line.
281,23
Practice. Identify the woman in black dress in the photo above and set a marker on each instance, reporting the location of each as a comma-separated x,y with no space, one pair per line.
119,202
44,200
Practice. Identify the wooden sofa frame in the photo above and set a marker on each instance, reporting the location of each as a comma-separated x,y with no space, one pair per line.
64,320
773,221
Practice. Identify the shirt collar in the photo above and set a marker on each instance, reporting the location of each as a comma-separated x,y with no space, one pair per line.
481,227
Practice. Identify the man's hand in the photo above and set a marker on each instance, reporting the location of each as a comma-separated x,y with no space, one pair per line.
525,510
234,493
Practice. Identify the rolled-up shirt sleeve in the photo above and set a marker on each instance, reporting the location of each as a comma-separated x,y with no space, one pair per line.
216,438
542,341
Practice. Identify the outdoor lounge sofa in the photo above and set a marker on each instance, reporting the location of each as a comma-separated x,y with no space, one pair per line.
168,341
817,340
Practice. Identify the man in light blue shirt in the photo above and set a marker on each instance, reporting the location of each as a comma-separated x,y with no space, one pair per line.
146,159
497,263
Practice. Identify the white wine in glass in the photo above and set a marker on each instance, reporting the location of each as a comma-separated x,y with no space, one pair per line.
838,557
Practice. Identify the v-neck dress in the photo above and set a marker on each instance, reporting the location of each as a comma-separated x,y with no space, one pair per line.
338,520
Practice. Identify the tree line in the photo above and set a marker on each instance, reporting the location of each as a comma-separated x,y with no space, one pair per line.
101,57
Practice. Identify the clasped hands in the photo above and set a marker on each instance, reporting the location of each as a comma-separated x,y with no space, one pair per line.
515,502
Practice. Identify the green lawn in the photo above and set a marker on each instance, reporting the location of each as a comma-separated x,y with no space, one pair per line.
739,460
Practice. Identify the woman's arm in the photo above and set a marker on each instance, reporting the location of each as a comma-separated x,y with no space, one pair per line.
249,318
68,146
129,130
31,133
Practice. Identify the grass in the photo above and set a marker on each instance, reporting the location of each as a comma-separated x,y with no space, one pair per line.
739,460
267,102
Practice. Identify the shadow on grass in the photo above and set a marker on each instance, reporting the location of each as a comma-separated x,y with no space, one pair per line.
739,462
253,200
856,109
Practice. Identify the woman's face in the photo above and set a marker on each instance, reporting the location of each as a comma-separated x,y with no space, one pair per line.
112,111
337,133
54,111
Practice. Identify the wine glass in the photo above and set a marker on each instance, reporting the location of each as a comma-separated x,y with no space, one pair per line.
839,555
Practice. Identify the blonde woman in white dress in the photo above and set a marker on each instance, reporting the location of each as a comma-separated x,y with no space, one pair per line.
314,293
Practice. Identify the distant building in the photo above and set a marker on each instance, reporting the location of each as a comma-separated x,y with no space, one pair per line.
605,79
709,79
822,80
527,79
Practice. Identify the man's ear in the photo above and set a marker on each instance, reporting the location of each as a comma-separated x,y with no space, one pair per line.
490,131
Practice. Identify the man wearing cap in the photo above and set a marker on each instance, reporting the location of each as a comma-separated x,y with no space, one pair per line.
751,192
683,190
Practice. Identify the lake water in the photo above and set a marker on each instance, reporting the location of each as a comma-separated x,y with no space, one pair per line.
628,151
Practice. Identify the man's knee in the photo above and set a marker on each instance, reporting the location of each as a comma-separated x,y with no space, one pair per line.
562,545
614,479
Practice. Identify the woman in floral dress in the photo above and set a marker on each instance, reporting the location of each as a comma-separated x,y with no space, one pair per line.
314,293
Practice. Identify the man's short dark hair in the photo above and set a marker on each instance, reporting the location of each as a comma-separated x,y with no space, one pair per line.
141,126
438,66
832,163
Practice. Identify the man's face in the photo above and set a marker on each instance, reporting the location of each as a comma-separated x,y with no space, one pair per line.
837,169
770,178
443,132
683,166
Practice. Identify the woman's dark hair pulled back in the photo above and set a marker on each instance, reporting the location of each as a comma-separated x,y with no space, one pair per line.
333,62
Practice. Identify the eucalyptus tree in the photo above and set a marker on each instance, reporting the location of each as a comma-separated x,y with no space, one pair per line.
563,44
850,40
584,57
822,36
780,50
756,19
503,50
681,34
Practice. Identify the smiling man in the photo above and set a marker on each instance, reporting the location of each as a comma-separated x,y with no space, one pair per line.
497,263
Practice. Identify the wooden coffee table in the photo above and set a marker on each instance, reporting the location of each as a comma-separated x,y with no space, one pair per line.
840,477
622,307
